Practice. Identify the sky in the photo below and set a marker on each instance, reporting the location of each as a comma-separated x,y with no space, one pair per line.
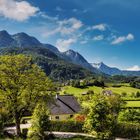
101,30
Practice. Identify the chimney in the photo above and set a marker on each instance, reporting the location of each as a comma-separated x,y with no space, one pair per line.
56,95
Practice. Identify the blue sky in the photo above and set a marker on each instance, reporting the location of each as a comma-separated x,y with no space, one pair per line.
101,30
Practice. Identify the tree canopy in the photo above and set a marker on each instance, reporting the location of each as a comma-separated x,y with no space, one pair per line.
22,85
102,117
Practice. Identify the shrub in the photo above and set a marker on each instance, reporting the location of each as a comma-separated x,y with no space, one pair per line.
124,94
137,94
67,126
130,115
90,92
99,83
128,130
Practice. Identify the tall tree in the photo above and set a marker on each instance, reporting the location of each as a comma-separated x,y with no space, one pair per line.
22,85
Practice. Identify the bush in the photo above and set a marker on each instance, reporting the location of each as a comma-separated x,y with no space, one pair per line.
137,94
90,92
128,130
123,94
66,126
130,115
99,83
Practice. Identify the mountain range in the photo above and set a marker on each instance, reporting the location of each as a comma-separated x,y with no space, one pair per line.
114,71
58,65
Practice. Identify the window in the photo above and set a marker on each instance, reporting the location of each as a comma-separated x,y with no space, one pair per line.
57,117
71,116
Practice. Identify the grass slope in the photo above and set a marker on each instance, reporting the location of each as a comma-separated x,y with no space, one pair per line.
125,88
78,91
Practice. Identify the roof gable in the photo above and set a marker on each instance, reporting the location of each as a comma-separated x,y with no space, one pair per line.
65,104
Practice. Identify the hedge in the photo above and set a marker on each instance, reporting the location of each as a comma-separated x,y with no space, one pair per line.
128,130
66,126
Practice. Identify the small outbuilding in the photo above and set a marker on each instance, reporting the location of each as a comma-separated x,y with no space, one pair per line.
107,92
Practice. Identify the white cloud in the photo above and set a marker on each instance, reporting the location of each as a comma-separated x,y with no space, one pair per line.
63,44
134,68
64,27
17,10
100,27
45,16
122,39
98,38
130,37
70,25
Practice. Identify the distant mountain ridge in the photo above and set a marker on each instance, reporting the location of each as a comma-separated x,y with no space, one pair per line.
114,71
56,65
78,59
24,40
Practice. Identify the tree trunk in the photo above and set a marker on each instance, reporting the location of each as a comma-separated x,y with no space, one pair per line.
17,122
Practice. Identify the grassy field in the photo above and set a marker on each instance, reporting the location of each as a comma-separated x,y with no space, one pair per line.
79,91
125,88
133,104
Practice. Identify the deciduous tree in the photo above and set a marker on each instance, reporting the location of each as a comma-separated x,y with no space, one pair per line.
22,85
102,117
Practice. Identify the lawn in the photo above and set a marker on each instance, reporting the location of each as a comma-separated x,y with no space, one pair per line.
127,89
133,104
78,91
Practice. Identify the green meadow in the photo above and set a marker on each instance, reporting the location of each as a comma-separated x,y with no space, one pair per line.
133,104
119,90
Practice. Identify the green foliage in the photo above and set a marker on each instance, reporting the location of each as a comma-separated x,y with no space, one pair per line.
67,126
123,79
22,85
135,84
76,83
123,94
40,122
130,115
55,67
128,130
91,92
103,114
99,83
137,94
1,125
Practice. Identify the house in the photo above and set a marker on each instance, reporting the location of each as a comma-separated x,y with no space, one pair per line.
64,107
107,92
